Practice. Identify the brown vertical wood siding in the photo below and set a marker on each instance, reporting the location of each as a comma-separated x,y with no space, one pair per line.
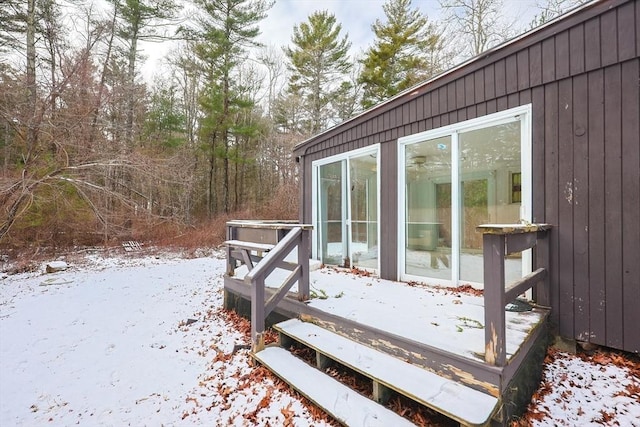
582,75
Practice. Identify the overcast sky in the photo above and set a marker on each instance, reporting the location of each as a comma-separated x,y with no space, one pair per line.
355,16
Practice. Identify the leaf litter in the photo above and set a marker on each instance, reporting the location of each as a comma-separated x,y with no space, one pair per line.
146,341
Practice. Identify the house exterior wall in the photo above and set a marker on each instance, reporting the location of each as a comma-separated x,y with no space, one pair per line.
582,76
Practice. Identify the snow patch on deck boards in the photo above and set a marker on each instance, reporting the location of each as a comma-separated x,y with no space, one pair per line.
433,316
344,404
447,397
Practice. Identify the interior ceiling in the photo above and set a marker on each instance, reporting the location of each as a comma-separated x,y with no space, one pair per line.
497,146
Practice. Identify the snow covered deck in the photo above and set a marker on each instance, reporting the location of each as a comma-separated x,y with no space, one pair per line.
463,336
444,318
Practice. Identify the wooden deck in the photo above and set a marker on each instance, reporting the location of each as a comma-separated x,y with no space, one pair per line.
440,332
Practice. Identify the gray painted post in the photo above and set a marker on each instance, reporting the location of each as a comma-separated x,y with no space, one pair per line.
257,313
303,262
231,267
542,290
494,300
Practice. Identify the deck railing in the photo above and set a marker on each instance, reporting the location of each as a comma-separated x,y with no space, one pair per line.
263,247
500,240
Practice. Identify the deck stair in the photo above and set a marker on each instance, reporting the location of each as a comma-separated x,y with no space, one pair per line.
468,406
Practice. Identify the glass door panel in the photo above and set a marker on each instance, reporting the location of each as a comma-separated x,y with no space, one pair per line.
428,208
332,215
363,177
488,158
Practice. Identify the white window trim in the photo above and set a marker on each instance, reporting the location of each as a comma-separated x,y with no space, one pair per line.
522,113
315,170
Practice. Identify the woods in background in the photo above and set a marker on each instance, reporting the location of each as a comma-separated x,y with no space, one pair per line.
91,151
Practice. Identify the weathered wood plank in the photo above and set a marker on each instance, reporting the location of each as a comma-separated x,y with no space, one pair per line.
271,260
500,78
535,65
345,405
637,20
426,101
630,205
542,291
597,279
613,203
592,40
538,152
460,93
449,103
494,301
523,69
450,398
609,37
519,242
512,228
548,60
469,90
566,187
489,82
580,193
512,290
478,86
551,191
576,50
251,246
273,300
472,373
511,74
562,55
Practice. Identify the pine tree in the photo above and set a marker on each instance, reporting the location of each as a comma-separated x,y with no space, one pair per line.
319,63
407,50
227,28
139,20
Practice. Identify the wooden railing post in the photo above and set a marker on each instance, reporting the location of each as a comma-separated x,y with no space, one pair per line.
286,237
303,262
257,313
494,300
231,267
498,241
542,290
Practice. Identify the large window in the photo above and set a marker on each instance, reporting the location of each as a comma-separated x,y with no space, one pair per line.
345,211
456,178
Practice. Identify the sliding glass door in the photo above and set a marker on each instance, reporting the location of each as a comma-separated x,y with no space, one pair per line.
346,210
428,208
332,215
487,158
456,178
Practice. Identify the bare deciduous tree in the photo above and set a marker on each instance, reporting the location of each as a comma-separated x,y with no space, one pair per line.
481,23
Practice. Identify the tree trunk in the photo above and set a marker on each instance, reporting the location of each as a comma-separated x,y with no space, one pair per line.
32,128
103,77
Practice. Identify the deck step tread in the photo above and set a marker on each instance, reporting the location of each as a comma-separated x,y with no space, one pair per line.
344,404
457,401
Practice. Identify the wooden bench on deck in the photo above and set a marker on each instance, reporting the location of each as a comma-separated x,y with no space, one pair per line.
248,252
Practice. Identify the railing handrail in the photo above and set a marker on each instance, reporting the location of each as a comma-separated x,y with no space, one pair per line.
286,236
267,224
499,240
275,255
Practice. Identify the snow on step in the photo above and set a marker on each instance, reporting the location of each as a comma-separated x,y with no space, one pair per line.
463,404
341,402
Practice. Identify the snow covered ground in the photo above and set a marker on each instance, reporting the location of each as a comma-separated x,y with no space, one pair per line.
141,341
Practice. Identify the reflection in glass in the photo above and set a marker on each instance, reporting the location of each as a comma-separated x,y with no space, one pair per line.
428,208
488,159
364,211
331,241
